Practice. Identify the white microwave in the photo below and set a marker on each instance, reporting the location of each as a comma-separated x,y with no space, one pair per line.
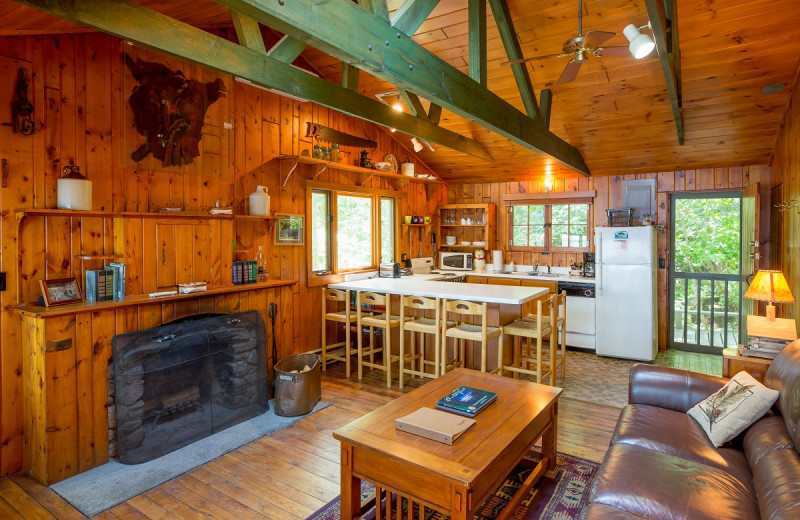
455,261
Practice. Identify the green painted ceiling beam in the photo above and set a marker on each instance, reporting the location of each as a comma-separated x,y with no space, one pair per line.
350,33
287,49
349,76
248,32
434,113
505,26
664,34
477,40
411,14
414,104
140,25
376,7
545,105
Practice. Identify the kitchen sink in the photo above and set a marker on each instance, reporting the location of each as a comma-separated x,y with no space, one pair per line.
544,275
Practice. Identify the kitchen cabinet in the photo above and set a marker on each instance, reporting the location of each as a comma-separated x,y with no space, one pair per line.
476,279
503,281
550,285
468,223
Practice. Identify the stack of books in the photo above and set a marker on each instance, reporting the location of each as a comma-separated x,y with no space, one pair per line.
767,338
105,284
245,271
466,401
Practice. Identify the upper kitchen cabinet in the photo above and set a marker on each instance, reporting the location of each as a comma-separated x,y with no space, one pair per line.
472,225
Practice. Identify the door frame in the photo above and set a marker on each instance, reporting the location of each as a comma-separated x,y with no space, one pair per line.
714,194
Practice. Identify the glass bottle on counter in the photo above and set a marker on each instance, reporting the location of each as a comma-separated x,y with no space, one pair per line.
261,262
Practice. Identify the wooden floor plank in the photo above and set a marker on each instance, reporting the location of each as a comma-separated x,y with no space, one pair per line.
289,474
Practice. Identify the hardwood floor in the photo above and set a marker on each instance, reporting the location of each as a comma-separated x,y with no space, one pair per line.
287,475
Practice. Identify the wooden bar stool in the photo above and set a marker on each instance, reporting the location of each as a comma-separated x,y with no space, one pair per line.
534,326
558,302
466,331
423,327
385,321
336,351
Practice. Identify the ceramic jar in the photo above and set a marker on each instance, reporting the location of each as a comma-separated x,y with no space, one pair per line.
74,190
259,202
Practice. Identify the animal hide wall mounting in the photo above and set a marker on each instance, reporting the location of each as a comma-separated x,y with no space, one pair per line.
21,107
168,111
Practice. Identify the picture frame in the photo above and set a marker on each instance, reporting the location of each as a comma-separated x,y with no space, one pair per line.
60,291
289,230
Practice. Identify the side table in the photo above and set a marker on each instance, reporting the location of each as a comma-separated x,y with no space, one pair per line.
733,363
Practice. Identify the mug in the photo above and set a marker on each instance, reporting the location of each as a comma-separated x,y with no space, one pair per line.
415,219
426,220
463,222
407,219
469,221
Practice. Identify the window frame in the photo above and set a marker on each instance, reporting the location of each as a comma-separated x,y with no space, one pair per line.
376,196
548,224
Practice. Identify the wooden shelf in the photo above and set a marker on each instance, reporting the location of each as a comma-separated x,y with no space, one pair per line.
459,246
242,251
418,225
289,164
256,217
32,309
463,225
48,212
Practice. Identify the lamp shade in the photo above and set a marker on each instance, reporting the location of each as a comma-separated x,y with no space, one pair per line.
770,286
640,44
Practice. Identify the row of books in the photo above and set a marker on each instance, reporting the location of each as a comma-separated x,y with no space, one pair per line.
245,271
105,284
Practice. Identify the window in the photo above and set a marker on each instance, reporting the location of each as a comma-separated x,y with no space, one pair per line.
550,227
387,229
361,236
354,232
320,230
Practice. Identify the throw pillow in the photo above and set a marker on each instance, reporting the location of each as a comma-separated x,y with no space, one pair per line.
727,412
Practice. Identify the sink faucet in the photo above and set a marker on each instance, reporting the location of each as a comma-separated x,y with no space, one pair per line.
548,269
535,268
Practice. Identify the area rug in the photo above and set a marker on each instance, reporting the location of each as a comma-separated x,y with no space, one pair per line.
113,483
562,497
596,379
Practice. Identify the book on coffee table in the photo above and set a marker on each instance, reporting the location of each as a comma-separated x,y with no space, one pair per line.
466,401
434,424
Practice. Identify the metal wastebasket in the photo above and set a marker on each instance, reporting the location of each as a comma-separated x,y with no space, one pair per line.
297,393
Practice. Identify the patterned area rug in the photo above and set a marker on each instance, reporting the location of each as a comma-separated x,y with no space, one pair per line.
596,379
560,498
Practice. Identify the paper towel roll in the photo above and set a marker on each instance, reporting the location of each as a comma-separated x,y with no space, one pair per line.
497,260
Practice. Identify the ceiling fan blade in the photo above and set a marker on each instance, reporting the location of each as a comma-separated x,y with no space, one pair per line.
570,71
594,39
613,51
523,60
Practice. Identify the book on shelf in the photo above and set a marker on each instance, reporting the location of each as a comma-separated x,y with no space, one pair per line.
120,285
434,424
466,401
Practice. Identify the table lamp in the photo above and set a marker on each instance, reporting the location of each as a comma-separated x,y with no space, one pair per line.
770,286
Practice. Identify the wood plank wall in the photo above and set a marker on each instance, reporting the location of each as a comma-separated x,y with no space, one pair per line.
79,91
786,187
609,195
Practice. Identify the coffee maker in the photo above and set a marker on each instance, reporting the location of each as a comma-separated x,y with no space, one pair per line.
588,265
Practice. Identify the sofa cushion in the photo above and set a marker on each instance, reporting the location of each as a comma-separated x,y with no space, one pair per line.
784,376
655,485
604,512
776,478
765,436
727,412
676,433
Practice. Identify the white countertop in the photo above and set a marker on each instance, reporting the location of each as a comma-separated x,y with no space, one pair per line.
426,285
523,275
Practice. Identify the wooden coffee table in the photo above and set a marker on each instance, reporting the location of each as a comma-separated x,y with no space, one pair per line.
452,479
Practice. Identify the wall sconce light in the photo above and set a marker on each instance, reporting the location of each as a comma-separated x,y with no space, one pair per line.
548,184
640,44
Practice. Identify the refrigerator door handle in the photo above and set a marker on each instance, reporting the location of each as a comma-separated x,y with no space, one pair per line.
599,263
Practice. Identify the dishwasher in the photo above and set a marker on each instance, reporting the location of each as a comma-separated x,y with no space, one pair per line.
580,314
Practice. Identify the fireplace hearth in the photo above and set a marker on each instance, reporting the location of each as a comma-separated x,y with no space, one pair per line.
184,381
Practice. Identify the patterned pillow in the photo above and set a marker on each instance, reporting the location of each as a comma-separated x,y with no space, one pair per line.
727,412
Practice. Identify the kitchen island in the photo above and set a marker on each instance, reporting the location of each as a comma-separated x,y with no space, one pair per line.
504,304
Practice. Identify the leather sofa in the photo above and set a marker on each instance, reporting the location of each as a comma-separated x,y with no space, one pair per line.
661,465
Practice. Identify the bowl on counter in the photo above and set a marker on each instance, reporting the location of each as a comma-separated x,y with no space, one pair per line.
575,272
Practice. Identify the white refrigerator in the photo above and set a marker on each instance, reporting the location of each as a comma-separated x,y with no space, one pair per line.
625,277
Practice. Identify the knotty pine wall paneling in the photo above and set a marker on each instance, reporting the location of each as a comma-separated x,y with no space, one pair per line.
80,88
609,195
786,175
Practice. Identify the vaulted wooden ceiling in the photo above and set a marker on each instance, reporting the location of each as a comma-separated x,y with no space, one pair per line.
616,112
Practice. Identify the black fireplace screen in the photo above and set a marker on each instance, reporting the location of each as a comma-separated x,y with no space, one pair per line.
181,382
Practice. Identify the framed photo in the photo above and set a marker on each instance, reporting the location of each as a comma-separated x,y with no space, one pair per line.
60,291
289,230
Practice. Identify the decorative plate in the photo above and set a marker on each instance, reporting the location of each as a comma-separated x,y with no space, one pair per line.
392,160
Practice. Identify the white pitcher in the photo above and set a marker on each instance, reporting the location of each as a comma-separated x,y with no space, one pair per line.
259,202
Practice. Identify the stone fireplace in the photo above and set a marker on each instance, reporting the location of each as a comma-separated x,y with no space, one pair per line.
181,382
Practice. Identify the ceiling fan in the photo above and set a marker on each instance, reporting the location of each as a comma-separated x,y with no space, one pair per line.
580,47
